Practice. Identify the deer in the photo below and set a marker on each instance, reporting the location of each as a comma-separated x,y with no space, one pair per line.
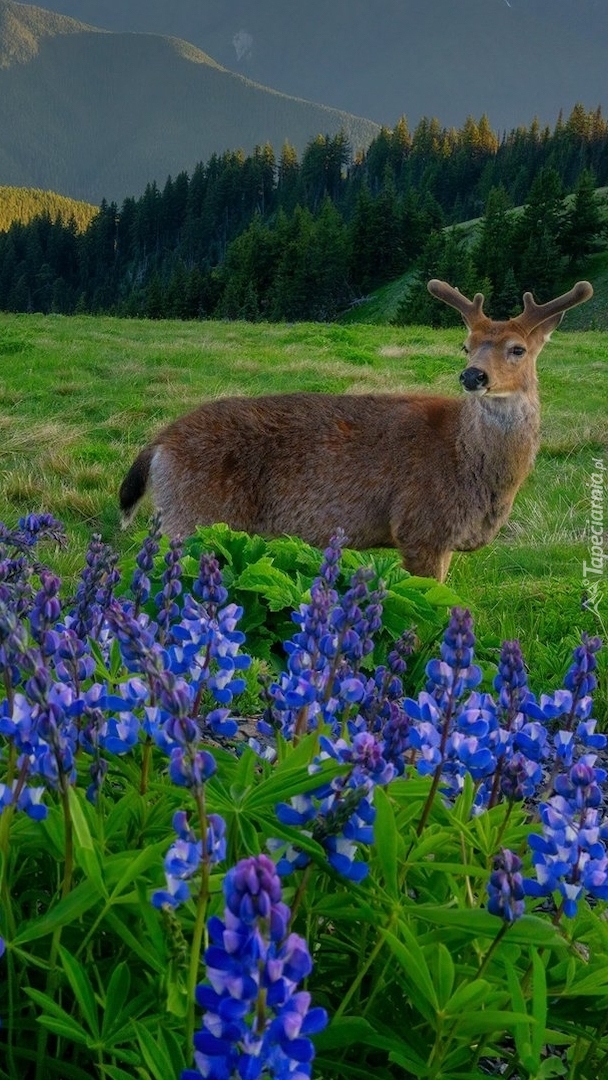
423,473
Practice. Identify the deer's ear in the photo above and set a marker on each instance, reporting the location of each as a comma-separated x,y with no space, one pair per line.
549,325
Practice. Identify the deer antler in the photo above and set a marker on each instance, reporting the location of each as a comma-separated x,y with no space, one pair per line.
471,310
535,314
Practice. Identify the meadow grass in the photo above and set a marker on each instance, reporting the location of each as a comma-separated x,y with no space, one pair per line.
79,396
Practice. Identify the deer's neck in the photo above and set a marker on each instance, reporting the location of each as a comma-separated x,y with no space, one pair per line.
502,432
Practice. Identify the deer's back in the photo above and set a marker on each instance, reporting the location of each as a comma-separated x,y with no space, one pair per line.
303,463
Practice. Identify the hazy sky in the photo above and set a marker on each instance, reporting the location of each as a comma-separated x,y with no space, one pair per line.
513,59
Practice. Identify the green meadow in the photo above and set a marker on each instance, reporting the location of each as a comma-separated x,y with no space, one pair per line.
80,395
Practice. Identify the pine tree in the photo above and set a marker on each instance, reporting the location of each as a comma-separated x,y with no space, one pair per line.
585,223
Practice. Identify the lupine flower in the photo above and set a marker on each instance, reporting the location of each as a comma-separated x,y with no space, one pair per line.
166,599
255,1022
184,857
570,856
140,582
95,589
506,887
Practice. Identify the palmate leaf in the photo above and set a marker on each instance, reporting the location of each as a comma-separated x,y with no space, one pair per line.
56,1019
277,587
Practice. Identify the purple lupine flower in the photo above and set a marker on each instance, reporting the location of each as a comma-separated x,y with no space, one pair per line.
511,682
207,640
575,700
255,1021
140,582
506,887
166,599
95,589
570,855
45,612
185,856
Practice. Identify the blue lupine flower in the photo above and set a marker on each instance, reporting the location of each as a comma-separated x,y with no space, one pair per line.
140,582
570,855
506,887
95,589
255,1022
184,857
166,599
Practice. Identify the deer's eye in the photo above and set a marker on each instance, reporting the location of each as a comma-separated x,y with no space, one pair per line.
518,350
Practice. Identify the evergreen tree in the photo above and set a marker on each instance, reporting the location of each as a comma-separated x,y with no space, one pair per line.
445,256
493,253
585,222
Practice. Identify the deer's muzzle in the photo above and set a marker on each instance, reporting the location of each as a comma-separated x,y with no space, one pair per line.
473,378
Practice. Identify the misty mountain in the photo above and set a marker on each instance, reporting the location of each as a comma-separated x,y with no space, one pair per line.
513,59
96,114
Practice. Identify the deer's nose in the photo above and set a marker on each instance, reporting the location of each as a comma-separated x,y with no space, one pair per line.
473,378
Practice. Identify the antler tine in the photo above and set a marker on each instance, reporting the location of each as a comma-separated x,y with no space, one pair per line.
471,310
535,314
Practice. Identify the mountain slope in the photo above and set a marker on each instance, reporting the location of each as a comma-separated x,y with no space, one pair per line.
514,59
97,115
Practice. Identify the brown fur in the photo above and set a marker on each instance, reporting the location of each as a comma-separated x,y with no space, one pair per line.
426,474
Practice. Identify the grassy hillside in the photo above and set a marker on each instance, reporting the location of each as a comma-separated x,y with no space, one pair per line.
98,115
80,396
24,204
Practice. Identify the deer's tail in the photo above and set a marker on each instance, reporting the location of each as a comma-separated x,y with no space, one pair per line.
134,485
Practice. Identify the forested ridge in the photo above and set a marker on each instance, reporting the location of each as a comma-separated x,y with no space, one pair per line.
265,237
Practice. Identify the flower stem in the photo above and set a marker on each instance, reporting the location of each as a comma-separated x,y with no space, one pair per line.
202,901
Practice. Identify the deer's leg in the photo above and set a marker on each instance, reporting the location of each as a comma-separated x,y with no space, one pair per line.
426,564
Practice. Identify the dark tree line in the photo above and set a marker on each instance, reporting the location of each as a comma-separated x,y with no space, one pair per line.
259,238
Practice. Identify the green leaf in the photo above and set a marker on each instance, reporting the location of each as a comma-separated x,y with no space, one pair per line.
386,841
155,1053
442,596
522,1034
467,996
115,998
84,846
443,969
484,1021
539,1006
82,989
478,923
56,1014
67,1029
413,962
275,585
67,911
152,958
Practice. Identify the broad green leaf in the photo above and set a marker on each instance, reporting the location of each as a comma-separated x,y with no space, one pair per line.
154,1053
115,1073
287,781
480,923
387,841
442,966
484,1021
85,850
66,1029
54,1013
467,996
69,910
82,989
539,1005
149,856
521,1030
151,958
275,585
442,596
413,962
115,998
